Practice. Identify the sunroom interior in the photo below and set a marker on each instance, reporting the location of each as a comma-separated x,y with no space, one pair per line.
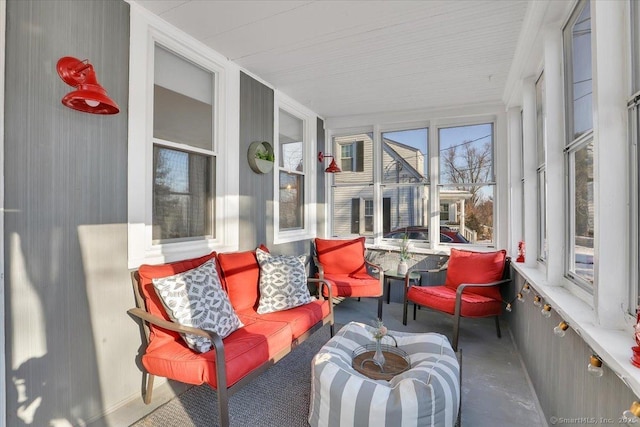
504,124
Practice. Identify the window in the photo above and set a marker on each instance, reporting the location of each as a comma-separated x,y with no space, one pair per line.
352,156
368,215
405,179
579,146
353,186
466,178
541,170
291,171
182,178
444,213
295,130
178,170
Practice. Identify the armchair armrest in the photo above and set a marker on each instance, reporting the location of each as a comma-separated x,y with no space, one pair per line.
320,284
375,268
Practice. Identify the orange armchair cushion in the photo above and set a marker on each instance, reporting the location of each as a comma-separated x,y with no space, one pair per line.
341,256
476,267
443,298
353,285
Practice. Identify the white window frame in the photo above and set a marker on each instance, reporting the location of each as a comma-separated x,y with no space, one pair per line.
378,179
573,145
493,121
309,119
146,30
541,173
352,146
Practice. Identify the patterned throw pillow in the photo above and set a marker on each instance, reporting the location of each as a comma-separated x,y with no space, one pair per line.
283,282
195,298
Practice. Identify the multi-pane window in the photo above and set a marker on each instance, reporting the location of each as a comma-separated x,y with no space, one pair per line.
291,173
353,186
352,156
541,169
183,149
579,146
467,180
368,215
405,180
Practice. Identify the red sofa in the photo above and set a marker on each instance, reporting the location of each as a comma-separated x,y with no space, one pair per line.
244,354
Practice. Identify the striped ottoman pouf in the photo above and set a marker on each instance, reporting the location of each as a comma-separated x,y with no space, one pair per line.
428,394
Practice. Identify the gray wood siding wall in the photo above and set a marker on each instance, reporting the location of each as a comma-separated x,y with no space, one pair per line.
69,339
558,366
256,190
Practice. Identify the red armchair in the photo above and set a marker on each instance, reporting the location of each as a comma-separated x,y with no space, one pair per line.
471,288
343,265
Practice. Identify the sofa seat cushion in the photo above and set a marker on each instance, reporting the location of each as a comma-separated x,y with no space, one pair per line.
300,319
442,298
245,350
353,285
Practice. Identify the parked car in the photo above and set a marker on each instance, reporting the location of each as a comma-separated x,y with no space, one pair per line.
447,234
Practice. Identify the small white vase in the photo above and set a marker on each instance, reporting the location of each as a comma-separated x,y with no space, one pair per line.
378,357
402,267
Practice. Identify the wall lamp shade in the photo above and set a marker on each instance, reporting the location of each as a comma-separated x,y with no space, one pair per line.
333,166
89,96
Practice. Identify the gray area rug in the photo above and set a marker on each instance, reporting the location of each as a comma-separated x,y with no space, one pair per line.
277,398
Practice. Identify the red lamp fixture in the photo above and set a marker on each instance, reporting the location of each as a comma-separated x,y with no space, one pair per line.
89,96
333,166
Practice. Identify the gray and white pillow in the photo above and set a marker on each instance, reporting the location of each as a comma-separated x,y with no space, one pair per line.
195,298
283,282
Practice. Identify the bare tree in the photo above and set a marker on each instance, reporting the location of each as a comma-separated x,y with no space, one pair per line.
468,165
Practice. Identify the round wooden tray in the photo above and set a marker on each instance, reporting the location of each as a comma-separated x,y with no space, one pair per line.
396,361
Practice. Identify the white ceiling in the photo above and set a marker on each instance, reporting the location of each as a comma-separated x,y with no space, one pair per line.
343,58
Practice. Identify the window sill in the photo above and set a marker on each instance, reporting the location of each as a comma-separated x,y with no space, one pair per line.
612,345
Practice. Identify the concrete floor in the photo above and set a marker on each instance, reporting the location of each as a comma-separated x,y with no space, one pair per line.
496,391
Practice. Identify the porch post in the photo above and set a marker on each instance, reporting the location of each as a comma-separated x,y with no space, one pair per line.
611,156
555,158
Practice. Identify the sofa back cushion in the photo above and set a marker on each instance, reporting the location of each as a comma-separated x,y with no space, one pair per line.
341,256
196,298
241,275
153,303
476,267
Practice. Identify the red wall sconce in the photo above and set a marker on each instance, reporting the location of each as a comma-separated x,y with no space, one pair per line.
89,96
333,166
